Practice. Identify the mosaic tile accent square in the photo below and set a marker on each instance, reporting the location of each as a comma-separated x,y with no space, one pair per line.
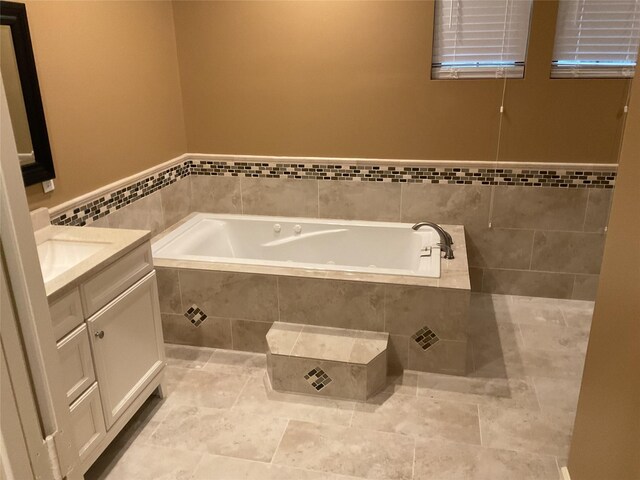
318,379
195,315
425,337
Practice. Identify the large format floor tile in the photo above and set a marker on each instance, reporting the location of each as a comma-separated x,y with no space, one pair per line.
137,432
506,361
405,383
259,399
187,356
347,451
436,460
207,389
226,468
510,392
419,416
151,462
567,339
516,312
510,418
220,432
554,364
546,433
578,314
233,362
557,393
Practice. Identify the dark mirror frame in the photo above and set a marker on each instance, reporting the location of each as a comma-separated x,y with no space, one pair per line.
15,16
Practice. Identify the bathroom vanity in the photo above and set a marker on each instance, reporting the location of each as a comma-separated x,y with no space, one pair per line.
103,298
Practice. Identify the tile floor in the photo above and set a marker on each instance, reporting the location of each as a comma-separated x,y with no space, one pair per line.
510,418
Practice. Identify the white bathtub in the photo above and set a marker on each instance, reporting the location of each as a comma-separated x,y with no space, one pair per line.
329,245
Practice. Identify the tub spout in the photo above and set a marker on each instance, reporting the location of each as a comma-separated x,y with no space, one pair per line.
445,239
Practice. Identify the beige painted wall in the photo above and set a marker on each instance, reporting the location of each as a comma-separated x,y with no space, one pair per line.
353,79
110,86
606,440
290,78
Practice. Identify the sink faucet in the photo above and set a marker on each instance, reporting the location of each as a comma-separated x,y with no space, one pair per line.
445,239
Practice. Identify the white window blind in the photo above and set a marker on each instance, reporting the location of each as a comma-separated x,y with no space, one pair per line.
596,38
480,38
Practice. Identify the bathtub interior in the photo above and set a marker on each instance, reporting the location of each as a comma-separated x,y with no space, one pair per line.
391,248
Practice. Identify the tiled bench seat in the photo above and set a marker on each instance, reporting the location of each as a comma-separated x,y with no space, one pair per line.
326,361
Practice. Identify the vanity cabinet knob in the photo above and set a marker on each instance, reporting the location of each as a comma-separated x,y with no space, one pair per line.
100,334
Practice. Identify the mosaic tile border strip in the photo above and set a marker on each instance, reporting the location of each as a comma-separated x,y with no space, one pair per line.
410,174
526,177
113,201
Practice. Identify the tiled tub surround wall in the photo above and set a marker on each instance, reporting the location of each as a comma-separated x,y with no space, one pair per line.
241,307
544,241
109,203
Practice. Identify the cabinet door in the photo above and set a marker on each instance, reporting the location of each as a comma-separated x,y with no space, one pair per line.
126,339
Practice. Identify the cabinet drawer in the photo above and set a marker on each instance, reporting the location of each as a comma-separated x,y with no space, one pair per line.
115,279
88,422
126,340
66,314
77,366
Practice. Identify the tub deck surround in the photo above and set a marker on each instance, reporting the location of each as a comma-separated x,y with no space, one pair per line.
236,305
325,361
572,198
111,244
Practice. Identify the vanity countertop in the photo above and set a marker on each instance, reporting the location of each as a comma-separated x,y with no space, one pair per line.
96,247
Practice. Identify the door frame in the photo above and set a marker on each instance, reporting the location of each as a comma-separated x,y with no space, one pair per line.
17,436
35,339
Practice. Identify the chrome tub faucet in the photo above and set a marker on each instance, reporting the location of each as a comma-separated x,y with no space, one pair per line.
445,239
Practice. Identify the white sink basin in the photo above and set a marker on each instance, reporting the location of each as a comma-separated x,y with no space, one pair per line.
58,256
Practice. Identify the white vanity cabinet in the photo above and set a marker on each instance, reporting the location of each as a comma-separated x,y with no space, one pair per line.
111,348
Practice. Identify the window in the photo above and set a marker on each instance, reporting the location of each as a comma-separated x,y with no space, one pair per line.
480,39
596,39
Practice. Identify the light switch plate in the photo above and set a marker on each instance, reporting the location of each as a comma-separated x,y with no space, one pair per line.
48,186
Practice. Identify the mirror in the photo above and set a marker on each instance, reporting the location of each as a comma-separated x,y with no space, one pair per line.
20,79
15,99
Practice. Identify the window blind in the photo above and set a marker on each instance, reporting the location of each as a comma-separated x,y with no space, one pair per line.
480,38
596,38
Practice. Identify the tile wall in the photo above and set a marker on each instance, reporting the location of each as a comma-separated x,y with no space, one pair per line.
239,309
547,226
